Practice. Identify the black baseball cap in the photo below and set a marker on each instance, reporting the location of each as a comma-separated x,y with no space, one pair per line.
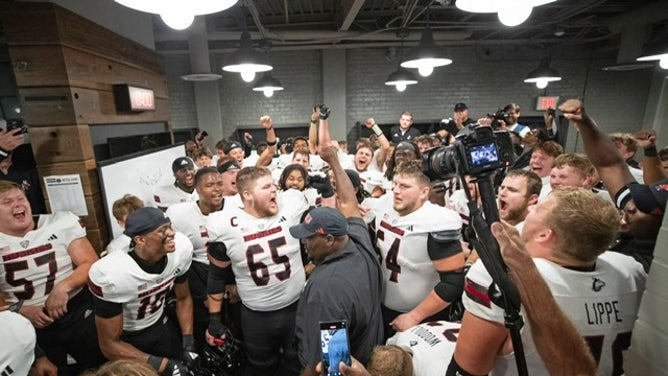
231,146
182,162
461,107
322,220
649,199
144,220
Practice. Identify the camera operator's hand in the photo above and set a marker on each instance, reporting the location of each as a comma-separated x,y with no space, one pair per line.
645,139
324,112
485,121
175,367
322,184
189,354
10,140
548,117
215,333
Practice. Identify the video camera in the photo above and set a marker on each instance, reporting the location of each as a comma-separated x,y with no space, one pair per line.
474,152
500,114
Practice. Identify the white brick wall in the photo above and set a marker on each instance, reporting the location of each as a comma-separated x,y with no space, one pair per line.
484,81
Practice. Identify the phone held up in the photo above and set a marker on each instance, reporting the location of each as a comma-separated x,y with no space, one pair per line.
16,124
334,346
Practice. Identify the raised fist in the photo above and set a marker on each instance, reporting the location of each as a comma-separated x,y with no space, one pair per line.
324,112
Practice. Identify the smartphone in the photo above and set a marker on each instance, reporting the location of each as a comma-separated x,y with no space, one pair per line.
334,346
16,124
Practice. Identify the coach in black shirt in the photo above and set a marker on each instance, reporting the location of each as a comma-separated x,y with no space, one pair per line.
347,281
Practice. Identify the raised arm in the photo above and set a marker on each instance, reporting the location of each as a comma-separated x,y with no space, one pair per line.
313,131
600,149
569,355
345,193
384,142
268,153
652,171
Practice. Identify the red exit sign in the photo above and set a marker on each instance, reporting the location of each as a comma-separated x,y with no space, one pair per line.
133,98
543,103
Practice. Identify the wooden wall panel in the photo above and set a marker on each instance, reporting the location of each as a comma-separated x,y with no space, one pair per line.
52,65
46,23
95,72
47,106
61,144
97,107
39,65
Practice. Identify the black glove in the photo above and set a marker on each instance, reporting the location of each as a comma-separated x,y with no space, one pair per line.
175,367
216,327
189,355
324,112
322,184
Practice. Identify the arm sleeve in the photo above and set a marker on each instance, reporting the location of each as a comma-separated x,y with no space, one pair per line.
106,309
443,244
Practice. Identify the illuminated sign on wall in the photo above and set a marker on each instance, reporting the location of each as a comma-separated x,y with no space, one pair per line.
133,99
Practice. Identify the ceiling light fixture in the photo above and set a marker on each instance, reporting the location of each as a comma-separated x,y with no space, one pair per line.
543,75
268,85
178,14
655,52
511,12
400,78
426,56
247,60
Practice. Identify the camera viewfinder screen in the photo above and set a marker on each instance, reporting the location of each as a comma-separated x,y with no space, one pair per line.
484,154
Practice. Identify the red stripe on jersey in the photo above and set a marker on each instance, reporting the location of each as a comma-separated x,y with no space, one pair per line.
262,234
393,229
477,293
95,289
27,252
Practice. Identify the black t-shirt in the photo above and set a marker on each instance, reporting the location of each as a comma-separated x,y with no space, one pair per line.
347,286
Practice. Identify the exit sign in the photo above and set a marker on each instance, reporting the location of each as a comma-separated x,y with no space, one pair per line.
543,103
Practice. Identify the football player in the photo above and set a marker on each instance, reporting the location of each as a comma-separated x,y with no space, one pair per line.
130,290
183,188
44,268
254,243
420,248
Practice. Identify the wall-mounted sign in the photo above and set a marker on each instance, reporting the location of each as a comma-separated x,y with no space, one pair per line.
543,103
133,99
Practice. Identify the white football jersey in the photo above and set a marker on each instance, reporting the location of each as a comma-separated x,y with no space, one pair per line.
188,219
602,304
408,270
117,278
266,259
166,195
17,341
119,243
431,345
33,264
